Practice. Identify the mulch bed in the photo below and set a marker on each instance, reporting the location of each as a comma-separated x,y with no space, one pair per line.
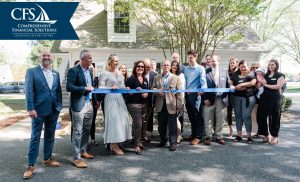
12,119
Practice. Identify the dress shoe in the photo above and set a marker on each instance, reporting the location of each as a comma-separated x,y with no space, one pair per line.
80,164
221,141
207,141
161,144
51,163
173,147
87,156
195,141
28,172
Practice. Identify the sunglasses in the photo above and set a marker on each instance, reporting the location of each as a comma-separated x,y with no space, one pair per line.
254,67
139,66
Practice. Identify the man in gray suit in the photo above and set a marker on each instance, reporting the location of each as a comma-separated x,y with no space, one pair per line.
215,103
43,103
80,84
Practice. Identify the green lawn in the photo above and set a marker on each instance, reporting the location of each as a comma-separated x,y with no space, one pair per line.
11,104
293,87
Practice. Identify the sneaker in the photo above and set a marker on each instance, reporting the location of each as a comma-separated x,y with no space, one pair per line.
28,172
80,164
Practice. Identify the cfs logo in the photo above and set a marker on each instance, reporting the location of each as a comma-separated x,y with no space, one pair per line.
28,14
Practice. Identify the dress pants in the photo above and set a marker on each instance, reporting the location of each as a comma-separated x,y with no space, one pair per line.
166,120
49,123
82,122
195,115
269,108
211,113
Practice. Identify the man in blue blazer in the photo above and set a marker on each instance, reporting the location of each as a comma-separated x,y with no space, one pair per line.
80,84
43,103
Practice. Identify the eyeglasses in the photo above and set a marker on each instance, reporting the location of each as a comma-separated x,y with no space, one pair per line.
139,66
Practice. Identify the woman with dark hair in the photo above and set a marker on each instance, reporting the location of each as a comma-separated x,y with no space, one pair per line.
117,122
270,103
123,70
136,102
232,67
243,99
176,71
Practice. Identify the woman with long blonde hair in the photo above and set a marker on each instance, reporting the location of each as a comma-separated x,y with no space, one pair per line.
117,123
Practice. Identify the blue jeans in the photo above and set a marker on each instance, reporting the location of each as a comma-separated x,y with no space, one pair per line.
242,112
49,132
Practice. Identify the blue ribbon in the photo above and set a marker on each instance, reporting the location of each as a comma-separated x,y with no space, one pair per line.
134,91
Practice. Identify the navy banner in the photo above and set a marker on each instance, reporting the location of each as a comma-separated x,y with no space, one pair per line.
37,20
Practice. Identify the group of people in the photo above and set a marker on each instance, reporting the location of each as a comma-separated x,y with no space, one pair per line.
253,89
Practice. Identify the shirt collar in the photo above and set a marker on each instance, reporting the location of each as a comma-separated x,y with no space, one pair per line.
191,67
45,69
83,69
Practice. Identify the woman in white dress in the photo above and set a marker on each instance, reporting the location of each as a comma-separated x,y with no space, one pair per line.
117,123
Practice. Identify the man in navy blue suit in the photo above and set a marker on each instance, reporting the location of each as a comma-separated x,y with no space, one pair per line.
80,84
43,103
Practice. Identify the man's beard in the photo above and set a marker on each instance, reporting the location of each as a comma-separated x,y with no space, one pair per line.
46,61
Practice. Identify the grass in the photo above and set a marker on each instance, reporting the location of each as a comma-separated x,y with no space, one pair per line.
293,90
11,104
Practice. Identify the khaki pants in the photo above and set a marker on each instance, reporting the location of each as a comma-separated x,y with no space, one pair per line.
209,113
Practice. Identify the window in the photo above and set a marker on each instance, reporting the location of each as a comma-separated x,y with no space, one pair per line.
121,18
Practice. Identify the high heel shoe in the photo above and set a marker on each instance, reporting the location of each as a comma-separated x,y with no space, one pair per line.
138,151
116,150
179,139
266,139
274,140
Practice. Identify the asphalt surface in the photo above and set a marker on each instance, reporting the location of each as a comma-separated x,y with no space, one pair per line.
232,162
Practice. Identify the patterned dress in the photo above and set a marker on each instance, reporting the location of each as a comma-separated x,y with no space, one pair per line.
117,122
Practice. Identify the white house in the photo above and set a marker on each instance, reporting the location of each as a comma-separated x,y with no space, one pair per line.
102,32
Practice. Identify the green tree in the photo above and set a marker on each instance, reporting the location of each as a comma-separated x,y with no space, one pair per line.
37,47
279,29
181,25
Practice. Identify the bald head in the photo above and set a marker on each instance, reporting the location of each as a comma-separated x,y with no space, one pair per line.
46,58
175,57
147,63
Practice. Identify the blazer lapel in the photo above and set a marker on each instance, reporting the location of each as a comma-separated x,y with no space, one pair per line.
82,74
170,79
39,70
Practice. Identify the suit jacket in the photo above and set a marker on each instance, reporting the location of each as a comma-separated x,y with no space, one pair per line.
173,100
76,84
151,97
39,96
223,83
